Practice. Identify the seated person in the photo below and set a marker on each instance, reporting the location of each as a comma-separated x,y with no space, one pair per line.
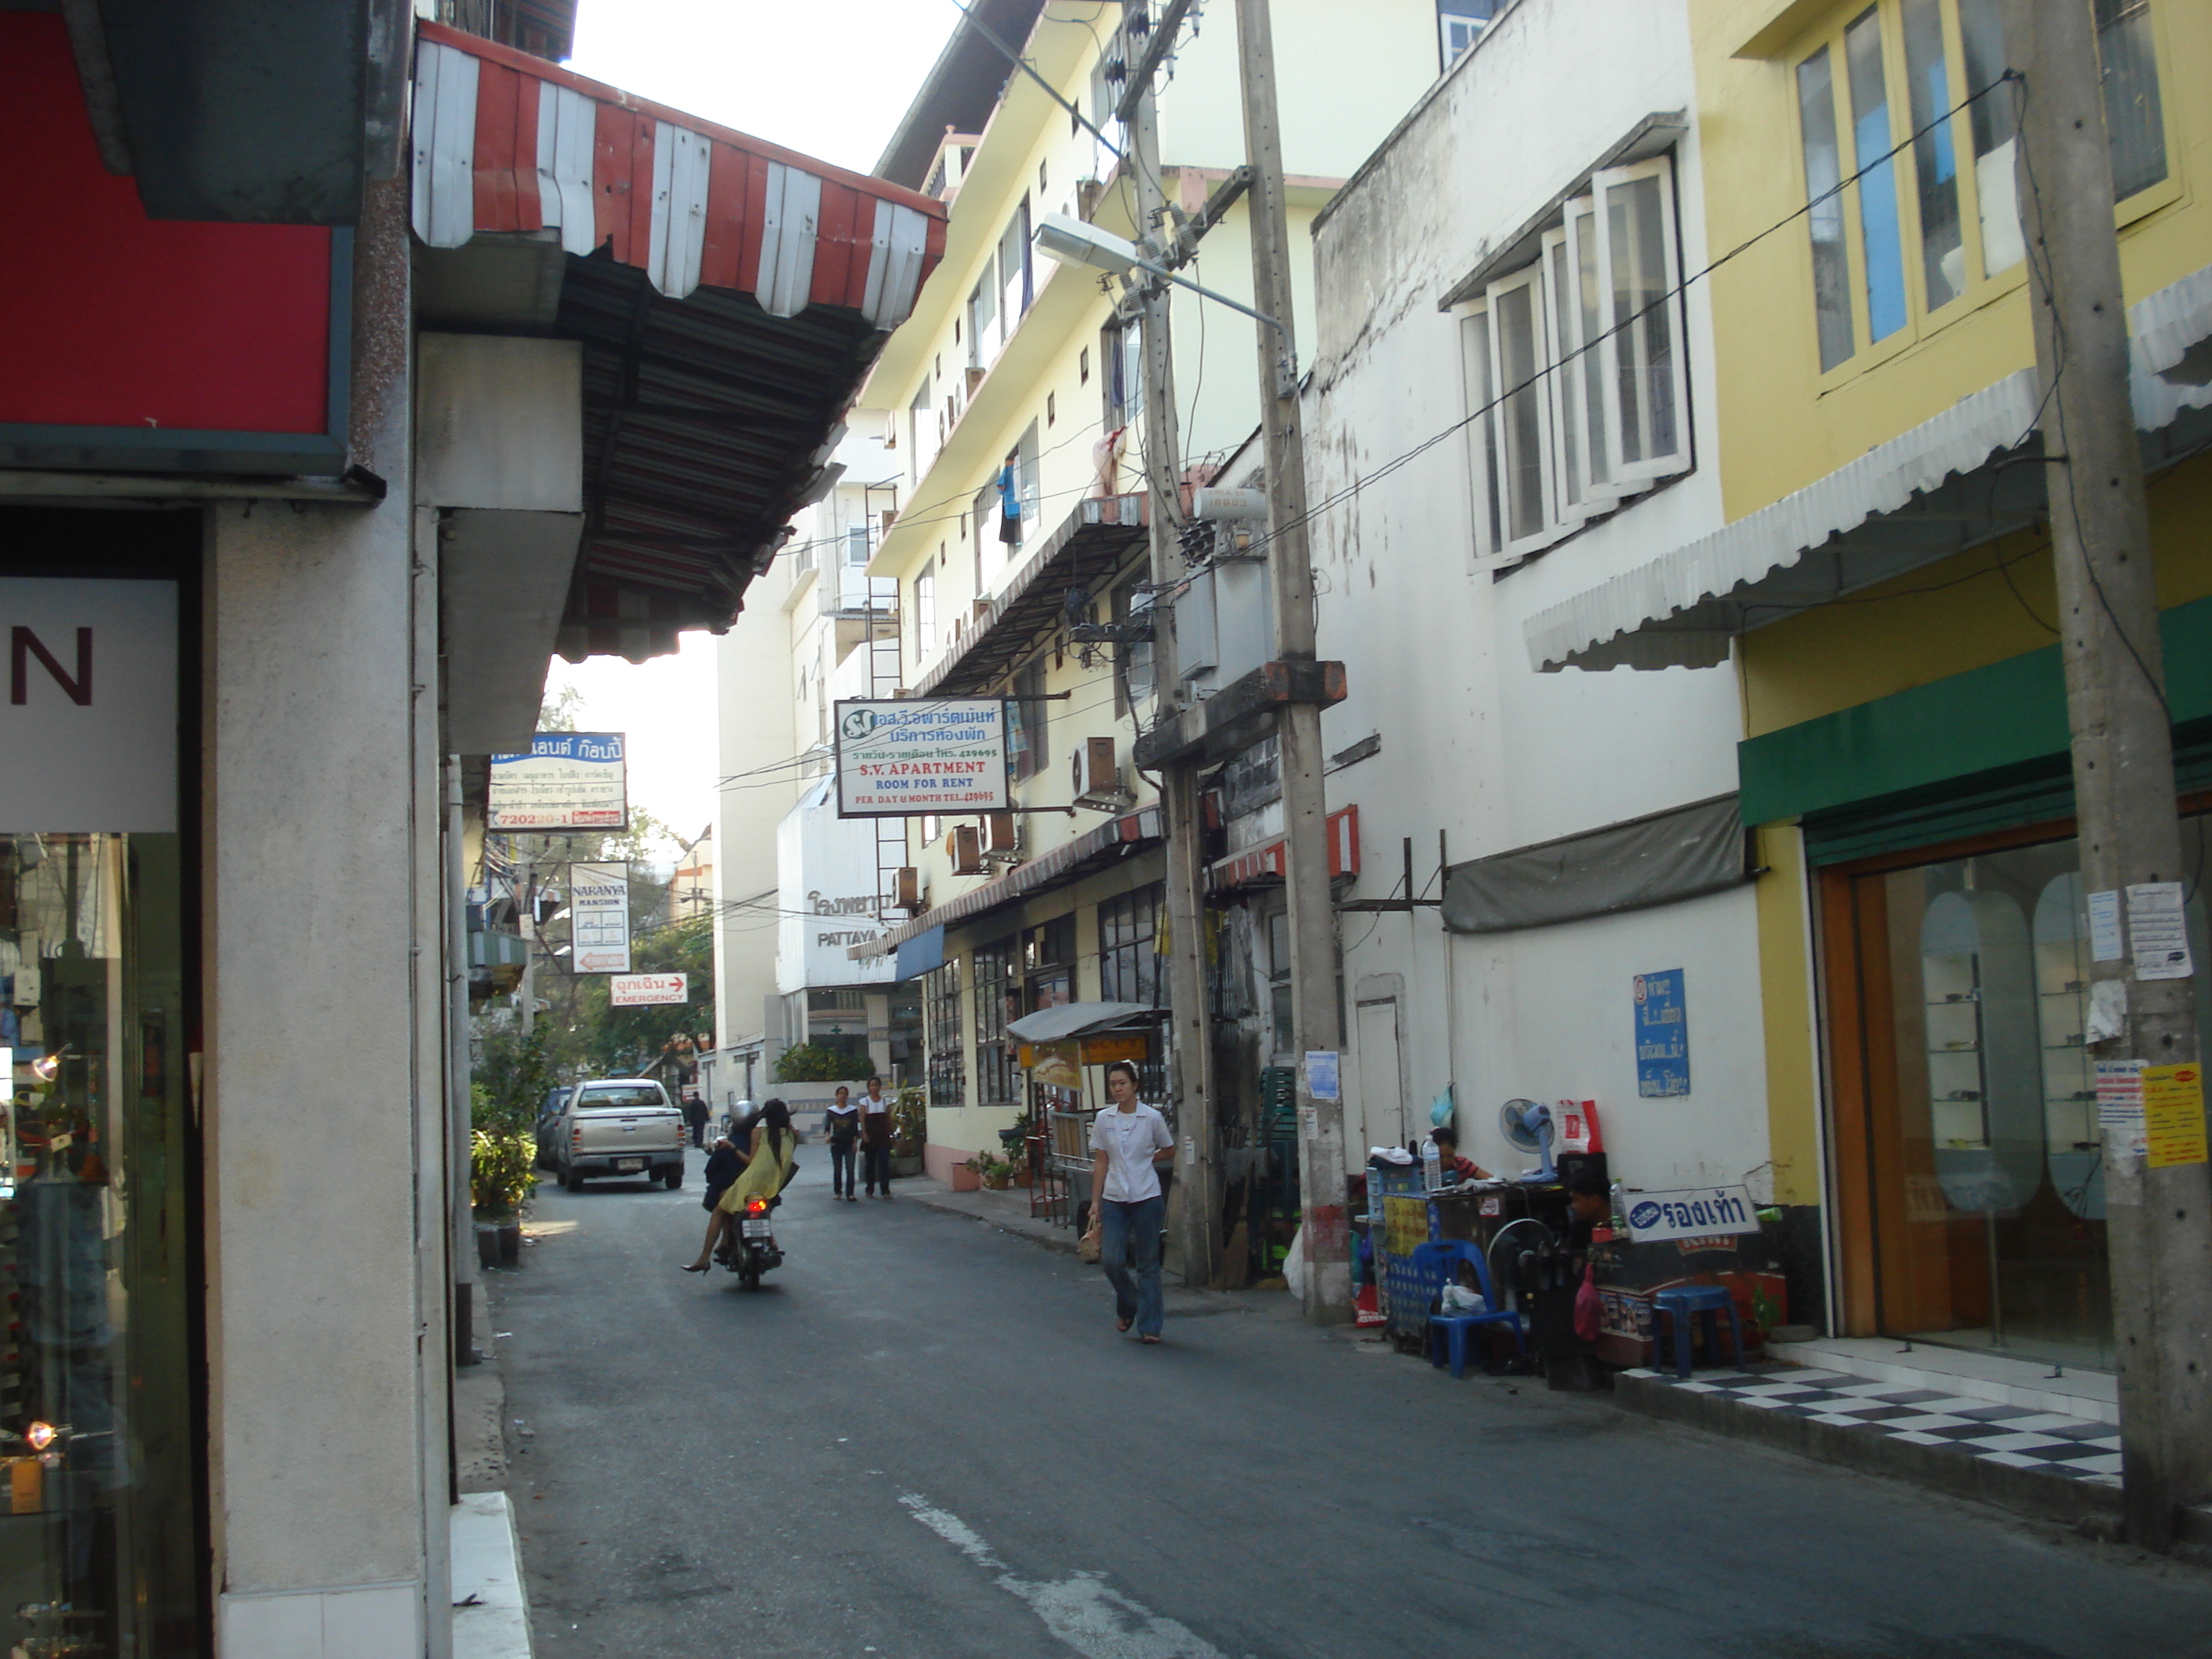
1589,1205
1453,1168
724,1165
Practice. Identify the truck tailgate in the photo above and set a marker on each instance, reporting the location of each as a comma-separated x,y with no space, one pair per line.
628,1131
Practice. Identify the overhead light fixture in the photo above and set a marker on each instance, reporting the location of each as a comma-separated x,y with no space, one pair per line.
1071,241
46,1066
40,1435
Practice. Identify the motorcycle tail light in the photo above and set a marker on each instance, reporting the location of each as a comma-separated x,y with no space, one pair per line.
756,1206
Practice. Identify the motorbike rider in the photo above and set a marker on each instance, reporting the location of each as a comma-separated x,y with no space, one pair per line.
772,1157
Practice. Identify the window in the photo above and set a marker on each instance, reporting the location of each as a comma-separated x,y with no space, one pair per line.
948,1059
1134,681
1029,485
1051,408
921,430
982,313
1121,354
925,611
1083,367
1014,285
1025,721
1129,967
1575,369
997,998
1892,246
1461,23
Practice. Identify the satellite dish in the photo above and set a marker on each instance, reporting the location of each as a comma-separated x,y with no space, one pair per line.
1528,1125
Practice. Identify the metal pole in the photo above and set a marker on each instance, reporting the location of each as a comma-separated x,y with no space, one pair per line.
458,1114
2159,1232
1197,1218
1315,1001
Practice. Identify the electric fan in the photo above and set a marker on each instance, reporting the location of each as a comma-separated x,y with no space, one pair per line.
1528,1125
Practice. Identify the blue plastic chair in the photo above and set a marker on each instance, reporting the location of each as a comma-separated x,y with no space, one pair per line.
1436,1264
1685,1303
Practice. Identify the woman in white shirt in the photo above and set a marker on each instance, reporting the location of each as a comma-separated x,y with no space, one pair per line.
1130,1140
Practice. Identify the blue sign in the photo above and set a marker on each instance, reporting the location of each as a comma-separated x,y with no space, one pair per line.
1662,1035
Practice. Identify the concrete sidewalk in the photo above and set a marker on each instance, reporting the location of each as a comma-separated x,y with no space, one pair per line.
1008,1211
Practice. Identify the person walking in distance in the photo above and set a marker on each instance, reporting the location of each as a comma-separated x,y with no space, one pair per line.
876,1140
1129,1139
842,1123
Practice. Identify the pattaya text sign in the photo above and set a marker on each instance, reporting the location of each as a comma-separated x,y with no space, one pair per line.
912,757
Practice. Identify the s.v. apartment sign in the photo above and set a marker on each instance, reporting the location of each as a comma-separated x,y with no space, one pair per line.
88,726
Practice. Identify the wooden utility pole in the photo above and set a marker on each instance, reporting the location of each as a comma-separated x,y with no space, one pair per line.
1314,1003
2159,1226
1197,1219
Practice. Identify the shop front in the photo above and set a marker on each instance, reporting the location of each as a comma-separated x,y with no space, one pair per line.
101,1420
1952,951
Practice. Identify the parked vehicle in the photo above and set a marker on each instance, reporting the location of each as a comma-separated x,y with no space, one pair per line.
750,1249
549,1122
619,1126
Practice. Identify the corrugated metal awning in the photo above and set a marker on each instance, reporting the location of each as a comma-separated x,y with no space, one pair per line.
1946,485
730,295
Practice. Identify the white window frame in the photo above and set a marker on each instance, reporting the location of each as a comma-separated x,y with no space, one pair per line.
1480,380
1571,484
1549,529
1681,457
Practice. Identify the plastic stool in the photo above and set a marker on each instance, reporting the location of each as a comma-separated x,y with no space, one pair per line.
1685,1302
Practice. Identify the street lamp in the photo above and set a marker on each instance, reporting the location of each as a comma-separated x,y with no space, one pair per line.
1071,241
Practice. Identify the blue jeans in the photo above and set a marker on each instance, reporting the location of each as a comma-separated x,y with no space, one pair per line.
840,1166
1129,1250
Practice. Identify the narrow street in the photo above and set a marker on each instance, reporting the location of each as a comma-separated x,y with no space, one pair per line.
924,1439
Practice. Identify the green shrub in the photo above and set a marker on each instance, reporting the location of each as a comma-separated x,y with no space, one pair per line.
811,1063
503,1173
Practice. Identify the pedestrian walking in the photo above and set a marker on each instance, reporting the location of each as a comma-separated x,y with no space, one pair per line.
1129,1141
842,1123
876,1140
695,1114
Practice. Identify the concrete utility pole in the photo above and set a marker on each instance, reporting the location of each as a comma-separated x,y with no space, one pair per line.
1312,920
2159,1230
1198,1175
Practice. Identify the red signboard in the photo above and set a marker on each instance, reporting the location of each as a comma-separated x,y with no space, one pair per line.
157,331
1270,860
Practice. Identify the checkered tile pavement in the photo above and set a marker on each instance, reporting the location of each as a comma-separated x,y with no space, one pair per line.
2027,1439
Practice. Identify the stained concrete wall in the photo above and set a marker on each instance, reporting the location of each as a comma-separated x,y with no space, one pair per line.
323,1089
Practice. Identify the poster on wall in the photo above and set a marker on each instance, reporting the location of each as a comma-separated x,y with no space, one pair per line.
1662,1037
569,781
88,729
919,756
599,910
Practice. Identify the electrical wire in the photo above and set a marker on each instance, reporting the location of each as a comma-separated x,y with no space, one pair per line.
1337,498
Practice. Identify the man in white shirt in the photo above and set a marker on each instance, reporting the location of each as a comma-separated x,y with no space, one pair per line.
1130,1140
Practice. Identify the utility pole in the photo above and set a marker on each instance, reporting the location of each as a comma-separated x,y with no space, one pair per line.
1313,996
1198,1181
2159,1230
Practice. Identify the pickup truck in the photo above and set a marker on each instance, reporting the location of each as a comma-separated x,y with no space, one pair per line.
619,1126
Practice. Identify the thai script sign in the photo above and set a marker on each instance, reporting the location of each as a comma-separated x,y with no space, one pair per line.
1662,1035
569,781
648,990
921,756
1695,1213
599,910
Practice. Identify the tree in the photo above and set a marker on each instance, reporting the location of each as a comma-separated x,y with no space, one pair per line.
813,1062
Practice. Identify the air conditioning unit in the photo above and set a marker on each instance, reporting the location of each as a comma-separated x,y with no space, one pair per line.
1097,778
964,847
1002,839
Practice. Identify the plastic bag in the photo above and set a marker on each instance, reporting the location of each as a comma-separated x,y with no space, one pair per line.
1587,1304
1294,1264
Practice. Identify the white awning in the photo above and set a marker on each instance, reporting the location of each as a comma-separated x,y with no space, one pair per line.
1903,504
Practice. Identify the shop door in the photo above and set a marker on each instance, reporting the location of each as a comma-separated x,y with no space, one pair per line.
1970,1177
1381,1076
99,1544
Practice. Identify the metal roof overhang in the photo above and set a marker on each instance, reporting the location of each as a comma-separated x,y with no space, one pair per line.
1964,477
729,294
1088,549
1109,843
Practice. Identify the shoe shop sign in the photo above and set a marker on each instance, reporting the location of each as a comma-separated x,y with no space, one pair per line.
1694,1212
89,728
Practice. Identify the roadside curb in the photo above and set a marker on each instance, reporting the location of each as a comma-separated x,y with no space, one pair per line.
2048,1497
998,1210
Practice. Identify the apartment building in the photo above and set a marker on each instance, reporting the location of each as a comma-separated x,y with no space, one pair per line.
1016,402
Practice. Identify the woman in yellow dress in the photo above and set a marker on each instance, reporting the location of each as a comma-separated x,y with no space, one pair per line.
768,1163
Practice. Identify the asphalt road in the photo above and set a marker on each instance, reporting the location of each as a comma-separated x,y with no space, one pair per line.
925,1439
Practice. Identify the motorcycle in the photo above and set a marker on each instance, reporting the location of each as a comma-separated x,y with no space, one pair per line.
748,1248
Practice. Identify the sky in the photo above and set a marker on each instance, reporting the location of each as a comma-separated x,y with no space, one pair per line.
829,81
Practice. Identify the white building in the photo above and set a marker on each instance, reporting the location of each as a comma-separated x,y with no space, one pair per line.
1459,314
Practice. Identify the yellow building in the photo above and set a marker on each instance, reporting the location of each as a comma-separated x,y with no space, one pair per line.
1015,400
1884,586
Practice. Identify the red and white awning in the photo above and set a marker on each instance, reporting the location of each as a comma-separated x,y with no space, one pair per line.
506,142
1270,860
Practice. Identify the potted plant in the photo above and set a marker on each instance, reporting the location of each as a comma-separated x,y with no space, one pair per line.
993,1172
968,1176
910,1129
502,1180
